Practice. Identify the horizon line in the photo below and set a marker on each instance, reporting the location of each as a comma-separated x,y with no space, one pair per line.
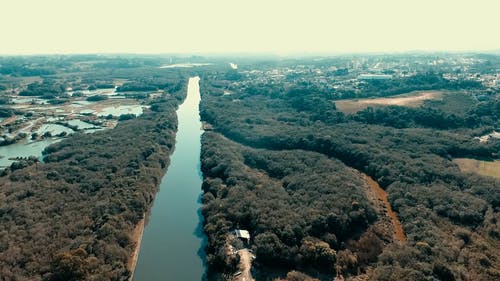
259,53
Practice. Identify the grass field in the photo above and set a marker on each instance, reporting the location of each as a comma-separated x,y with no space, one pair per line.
456,103
413,99
484,168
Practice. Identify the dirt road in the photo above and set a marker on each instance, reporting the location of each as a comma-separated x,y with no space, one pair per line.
382,204
245,266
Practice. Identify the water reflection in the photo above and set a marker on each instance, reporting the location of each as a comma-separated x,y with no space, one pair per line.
23,148
173,241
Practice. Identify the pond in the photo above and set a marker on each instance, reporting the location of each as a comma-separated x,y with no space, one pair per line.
121,109
23,148
81,124
54,129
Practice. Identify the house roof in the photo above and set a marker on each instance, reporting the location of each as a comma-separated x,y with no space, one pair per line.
240,233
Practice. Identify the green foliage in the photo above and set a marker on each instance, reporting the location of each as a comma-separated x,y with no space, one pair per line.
315,252
71,217
404,117
16,70
102,85
421,81
297,204
406,150
57,101
70,266
4,100
478,115
128,116
97,98
47,89
6,112
233,75
136,87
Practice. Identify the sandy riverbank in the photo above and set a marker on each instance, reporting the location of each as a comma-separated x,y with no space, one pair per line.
136,239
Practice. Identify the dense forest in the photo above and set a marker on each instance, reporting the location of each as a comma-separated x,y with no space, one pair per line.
289,199
278,158
280,162
71,217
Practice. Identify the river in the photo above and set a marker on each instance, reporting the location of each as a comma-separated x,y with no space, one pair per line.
173,242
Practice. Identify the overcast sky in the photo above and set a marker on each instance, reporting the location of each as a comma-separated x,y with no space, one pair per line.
251,26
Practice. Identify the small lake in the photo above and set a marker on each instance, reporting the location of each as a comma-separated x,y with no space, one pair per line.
121,109
23,148
81,124
107,91
54,129
173,242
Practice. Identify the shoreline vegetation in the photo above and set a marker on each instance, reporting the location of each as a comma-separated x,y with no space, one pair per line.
80,214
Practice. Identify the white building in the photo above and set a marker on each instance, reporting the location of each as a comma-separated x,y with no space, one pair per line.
374,76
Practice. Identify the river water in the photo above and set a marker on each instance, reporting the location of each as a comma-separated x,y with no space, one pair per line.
172,247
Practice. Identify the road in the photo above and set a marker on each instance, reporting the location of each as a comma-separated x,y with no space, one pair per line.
380,195
245,266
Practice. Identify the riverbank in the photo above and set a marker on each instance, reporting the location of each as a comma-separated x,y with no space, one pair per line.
136,238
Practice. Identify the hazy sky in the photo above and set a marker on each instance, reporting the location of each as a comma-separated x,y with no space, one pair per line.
206,26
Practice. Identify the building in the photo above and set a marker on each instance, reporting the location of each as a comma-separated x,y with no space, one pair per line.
374,77
242,234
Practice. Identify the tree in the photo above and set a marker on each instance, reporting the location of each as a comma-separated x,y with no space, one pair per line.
70,266
317,252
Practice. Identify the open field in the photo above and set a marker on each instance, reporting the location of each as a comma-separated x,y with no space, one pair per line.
484,168
413,99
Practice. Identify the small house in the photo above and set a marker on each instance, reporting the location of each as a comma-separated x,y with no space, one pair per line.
242,234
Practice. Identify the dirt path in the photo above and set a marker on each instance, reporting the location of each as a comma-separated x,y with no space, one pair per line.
379,196
245,266
8,120
136,238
